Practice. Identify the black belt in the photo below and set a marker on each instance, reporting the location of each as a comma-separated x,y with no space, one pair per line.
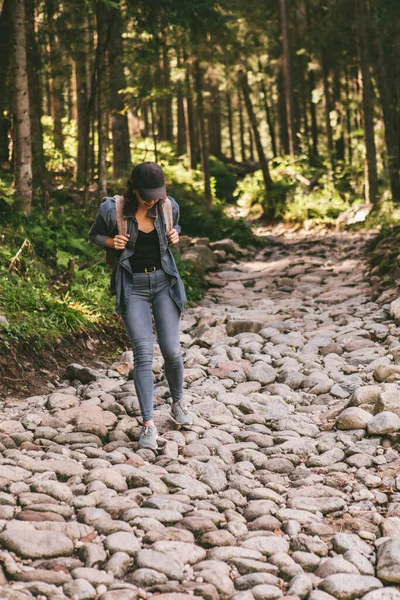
152,269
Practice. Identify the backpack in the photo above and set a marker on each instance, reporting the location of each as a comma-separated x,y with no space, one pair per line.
112,255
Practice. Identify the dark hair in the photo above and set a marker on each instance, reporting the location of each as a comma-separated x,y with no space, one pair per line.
131,202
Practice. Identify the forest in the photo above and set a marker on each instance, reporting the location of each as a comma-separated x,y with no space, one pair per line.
259,111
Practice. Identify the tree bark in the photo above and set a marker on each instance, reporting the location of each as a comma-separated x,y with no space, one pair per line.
119,119
391,139
193,141
313,113
214,123
5,99
328,108
198,83
270,207
102,19
230,124
81,51
288,73
371,183
22,124
168,118
339,137
348,119
282,115
267,111
180,107
35,97
57,76
241,128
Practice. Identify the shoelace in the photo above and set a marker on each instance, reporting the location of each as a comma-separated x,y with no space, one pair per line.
146,431
183,408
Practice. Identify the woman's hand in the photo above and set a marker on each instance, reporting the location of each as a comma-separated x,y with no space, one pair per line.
173,237
120,241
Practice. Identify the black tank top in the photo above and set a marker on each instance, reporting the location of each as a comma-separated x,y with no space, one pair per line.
147,252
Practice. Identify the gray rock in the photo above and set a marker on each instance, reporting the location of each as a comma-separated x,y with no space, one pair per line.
122,542
301,586
93,576
147,577
348,586
388,566
28,542
266,592
80,589
267,545
383,423
150,559
389,593
353,418
349,541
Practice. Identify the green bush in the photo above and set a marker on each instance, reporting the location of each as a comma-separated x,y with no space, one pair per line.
225,180
302,193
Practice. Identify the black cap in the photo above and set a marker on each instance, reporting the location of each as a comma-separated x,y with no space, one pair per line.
148,180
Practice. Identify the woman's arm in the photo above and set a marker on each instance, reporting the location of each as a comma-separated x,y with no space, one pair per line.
175,215
101,228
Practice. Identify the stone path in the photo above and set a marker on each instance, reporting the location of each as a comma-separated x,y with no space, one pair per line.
287,485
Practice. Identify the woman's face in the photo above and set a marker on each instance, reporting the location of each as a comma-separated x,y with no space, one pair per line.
144,203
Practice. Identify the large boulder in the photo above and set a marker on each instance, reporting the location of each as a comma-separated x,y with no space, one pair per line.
202,258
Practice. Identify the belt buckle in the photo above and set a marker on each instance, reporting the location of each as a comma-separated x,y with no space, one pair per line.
153,269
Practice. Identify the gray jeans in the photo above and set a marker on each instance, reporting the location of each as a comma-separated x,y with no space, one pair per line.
145,289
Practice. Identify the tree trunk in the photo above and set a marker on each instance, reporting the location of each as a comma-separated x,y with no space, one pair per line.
328,108
251,145
289,90
214,123
82,97
241,128
180,107
169,122
119,119
57,76
267,112
22,124
348,119
181,131
193,141
391,139
35,97
5,99
313,112
260,150
230,124
198,84
282,115
371,183
337,92
153,130
102,19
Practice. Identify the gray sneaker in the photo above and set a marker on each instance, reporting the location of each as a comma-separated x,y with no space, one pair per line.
180,414
148,437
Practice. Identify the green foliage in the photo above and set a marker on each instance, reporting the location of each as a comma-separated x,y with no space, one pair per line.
225,180
303,193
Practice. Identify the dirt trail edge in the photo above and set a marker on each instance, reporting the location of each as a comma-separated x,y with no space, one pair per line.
287,484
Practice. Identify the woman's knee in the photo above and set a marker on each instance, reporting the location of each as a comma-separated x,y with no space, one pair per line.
172,355
143,352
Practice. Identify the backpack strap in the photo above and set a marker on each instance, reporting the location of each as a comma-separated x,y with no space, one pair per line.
121,220
167,209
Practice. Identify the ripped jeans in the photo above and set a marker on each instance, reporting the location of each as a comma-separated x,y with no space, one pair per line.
146,289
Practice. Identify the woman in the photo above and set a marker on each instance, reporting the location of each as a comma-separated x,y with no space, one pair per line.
146,274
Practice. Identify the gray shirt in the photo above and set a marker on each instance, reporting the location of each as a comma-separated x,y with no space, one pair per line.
105,225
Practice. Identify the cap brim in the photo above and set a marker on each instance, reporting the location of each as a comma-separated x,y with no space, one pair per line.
152,193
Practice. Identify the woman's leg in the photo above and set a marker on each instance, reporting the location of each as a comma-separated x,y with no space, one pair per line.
167,318
139,327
